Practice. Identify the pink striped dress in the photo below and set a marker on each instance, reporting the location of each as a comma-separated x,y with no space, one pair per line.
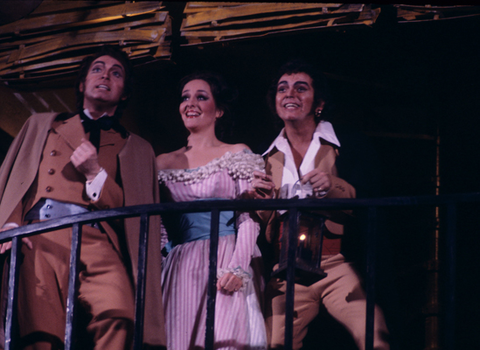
239,322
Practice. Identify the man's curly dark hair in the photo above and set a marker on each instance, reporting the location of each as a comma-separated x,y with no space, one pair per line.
319,82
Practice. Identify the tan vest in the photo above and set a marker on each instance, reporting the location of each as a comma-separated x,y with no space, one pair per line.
136,162
57,178
325,161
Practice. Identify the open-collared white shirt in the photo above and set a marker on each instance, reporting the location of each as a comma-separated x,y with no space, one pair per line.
291,177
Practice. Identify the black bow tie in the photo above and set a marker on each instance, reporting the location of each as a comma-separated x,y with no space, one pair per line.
103,123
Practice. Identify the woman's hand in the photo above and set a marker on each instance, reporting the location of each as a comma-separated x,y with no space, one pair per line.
263,185
321,182
229,283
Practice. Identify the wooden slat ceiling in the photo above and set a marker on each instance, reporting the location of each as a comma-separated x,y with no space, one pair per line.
207,22
53,39
412,13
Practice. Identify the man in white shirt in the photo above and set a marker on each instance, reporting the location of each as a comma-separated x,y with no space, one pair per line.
300,163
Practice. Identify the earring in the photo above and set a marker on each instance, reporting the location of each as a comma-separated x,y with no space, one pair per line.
318,113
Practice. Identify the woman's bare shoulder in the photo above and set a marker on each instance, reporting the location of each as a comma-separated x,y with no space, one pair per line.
237,147
169,160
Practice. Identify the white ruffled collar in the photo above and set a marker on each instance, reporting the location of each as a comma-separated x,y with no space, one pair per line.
240,165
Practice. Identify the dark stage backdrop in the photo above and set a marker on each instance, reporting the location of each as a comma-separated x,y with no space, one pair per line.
398,90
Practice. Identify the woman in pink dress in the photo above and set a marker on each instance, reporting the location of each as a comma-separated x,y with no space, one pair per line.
206,169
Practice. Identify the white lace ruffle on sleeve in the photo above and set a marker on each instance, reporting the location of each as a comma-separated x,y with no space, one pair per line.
239,272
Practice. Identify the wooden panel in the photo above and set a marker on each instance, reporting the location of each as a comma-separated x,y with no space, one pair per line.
222,21
412,13
149,23
78,16
229,12
208,22
53,39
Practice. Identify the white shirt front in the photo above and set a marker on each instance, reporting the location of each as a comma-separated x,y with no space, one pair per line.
94,187
291,178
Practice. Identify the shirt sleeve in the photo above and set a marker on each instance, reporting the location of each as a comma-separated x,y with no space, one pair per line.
247,234
106,193
94,187
163,236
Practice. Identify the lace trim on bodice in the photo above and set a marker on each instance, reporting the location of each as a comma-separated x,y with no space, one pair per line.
240,165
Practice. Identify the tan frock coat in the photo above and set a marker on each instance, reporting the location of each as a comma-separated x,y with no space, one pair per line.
137,170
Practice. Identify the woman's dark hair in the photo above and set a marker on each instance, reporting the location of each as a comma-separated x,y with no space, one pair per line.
319,82
223,95
116,53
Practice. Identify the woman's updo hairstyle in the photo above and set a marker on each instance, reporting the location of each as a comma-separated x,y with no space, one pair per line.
223,95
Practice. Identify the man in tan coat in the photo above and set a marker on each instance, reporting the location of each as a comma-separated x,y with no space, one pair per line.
62,164
301,162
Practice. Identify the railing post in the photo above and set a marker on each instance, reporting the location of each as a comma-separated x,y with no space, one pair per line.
11,317
141,279
290,292
370,283
73,285
450,262
372,207
212,281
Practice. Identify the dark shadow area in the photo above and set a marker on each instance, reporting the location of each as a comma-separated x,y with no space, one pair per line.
407,116
5,141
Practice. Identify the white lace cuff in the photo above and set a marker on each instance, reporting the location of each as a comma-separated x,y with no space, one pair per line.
239,272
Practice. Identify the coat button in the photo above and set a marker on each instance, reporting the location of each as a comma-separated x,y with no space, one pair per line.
53,153
49,188
51,171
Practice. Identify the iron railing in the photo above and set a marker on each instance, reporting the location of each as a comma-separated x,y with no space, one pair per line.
215,206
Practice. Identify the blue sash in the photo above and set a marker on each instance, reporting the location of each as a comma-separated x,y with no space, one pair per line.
196,226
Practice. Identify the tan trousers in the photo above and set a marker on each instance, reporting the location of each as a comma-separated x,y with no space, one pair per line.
105,293
343,297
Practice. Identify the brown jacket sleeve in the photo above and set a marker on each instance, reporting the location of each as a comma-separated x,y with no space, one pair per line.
16,216
325,161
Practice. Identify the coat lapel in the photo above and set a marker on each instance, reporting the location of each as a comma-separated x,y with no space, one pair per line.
71,131
274,167
325,159
20,166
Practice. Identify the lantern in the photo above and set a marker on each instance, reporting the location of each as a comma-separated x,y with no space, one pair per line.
308,250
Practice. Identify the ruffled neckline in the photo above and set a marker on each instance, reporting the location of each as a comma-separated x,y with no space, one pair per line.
240,165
